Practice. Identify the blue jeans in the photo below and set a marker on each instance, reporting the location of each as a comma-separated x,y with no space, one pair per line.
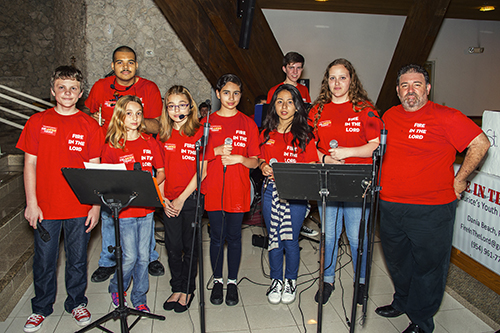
135,235
417,246
45,265
351,212
220,232
290,247
107,259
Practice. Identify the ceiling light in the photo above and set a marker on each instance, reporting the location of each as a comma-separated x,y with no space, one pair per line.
486,8
321,0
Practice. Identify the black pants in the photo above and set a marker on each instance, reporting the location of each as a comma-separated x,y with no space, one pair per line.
416,240
179,234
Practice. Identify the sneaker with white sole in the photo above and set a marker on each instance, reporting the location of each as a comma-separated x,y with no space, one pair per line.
308,232
81,315
33,323
288,295
116,300
143,308
274,291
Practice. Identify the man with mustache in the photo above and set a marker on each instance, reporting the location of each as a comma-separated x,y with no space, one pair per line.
420,193
101,102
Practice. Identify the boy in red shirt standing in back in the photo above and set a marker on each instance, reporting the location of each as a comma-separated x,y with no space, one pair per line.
59,137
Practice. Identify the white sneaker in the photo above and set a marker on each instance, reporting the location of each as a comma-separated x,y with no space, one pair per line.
274,291
289,291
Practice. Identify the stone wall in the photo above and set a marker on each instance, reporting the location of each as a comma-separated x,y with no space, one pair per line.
140,25
69,22
37,36
27,34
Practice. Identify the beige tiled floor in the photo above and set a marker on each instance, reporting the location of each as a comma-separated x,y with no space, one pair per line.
253,313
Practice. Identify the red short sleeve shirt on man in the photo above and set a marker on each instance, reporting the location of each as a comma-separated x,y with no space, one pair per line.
103,95
279,146
300,87
351,129
421,148
245,135
179,155
60,141
144,150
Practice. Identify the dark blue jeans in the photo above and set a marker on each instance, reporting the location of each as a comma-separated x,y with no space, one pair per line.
417,245
45,265
222,230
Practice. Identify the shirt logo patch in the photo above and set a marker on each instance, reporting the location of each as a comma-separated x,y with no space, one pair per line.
170,146
270,142
48,130
216,128
127,159
325,123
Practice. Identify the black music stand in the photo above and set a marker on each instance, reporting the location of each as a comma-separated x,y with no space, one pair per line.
322,182
116,189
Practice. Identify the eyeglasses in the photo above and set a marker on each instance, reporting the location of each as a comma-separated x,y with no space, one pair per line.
182,107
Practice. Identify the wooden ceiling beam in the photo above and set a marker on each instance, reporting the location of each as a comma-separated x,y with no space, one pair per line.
210,31
415,43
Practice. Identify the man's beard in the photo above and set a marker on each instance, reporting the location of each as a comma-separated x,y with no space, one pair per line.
412,104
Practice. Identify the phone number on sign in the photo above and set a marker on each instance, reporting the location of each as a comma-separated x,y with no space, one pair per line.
484,251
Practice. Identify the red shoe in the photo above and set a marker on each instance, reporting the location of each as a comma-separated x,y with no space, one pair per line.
33,323
143,308
81,315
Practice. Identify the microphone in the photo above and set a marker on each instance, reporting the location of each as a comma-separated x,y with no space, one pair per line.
334,144
271,162
182,116
227,141
208,102
383,133
137,166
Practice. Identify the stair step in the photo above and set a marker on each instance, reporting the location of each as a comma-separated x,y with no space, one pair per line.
16,236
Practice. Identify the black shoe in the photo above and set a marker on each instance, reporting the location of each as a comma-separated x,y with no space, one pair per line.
232,294
388,311
217,295
413,328
169,305
102,274
179,308
155,268
327,291
361,294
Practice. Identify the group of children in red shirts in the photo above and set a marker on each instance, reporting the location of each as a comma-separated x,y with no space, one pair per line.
65,137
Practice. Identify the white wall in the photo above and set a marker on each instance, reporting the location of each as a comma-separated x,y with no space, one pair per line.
464,81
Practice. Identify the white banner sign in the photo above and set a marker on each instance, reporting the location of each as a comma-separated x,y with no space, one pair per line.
491,127
477,222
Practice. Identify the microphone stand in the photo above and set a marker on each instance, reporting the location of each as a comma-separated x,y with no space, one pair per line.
198,222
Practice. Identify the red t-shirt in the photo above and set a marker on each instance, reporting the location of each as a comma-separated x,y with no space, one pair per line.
102,95
179,156
279,146
301,88
350,129
60,141
145,150
421,148
245,135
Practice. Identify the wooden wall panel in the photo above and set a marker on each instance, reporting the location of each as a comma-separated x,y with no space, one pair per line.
415,43
210,31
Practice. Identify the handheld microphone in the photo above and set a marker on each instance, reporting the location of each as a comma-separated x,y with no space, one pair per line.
137,166
271,162
383,133
227,141
44,234
334,144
